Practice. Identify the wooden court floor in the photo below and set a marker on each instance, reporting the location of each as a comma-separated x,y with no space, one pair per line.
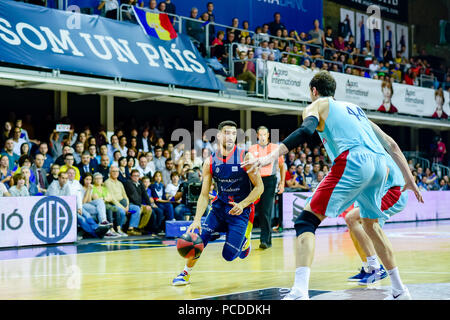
422,252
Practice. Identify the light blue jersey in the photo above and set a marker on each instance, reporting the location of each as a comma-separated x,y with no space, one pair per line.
359,164
347,127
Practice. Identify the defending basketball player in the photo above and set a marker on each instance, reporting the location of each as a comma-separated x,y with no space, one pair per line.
394,201
232,211
359,173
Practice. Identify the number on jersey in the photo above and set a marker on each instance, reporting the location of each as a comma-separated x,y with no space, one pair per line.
357,115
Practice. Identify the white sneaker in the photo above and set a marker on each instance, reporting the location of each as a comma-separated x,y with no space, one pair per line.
403,295
295,294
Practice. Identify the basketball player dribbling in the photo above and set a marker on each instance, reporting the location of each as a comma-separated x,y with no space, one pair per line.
359,173
233,210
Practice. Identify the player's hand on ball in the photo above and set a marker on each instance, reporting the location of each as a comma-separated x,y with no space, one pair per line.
195,225
237,209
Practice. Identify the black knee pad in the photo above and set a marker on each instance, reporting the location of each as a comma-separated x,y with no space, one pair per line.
306,222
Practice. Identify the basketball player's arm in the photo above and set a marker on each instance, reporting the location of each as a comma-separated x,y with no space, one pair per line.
258,189
311,120
203,199
394,151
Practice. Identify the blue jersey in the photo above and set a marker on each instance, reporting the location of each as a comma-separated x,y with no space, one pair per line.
347,127
233,183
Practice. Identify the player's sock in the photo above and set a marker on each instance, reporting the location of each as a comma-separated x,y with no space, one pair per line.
365,266
302,279
187,269
396,282
373,262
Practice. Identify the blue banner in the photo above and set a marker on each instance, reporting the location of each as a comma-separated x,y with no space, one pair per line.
295,14
68,41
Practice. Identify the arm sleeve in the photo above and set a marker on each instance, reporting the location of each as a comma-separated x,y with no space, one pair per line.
300,135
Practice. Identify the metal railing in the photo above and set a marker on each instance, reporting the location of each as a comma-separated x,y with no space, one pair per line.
440,170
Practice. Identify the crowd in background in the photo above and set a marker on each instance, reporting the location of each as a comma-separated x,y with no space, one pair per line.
135,181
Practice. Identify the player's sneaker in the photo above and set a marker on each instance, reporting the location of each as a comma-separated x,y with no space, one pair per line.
374,276
182,279
295,294
403,295
358,276
245,253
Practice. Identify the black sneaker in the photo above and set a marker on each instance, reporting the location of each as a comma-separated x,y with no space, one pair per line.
102,230
264,245
214,236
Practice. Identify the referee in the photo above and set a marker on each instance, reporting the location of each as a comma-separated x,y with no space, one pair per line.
268,173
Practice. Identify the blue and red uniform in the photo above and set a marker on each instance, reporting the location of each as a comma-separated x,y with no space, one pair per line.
233,185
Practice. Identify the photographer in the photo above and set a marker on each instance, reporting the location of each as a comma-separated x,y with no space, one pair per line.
186,207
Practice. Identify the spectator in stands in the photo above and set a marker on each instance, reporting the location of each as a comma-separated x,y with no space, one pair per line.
218,46
157,217
79,148
309,176
443,186
40,173
329,42
339,43
53,174
264,34
167,171
152,4
110,8
121,202
388,92
387,52
241,47
69,163
123,146
211,19
173,185
5,171
113,146
319,177
162,7
159,160
31,186
158,192
103,151
17,140
441,151
241,72
65,150
87,165
6,132
25,149
263,48
4,191
440,100
48,159
99,197
410,77
374,66
124,173
143,167
317,35
138,196
195,29
60,187
245,33
170,8
196,161
235,28
103,168
432,179
276,24
290,177
19,189
131,163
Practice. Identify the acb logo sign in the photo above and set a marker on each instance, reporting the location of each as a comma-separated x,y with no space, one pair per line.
51,219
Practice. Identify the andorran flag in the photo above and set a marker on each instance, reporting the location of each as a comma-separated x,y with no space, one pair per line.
156,25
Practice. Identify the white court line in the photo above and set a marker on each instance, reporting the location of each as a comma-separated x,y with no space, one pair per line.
210,271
